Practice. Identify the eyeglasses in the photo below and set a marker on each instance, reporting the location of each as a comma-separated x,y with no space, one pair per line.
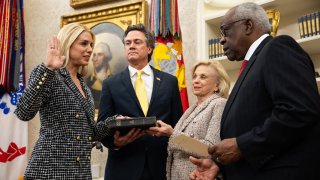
224,29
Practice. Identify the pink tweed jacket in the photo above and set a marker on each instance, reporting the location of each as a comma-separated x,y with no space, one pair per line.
201,122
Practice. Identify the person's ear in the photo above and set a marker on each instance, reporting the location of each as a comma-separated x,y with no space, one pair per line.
249,27
149,50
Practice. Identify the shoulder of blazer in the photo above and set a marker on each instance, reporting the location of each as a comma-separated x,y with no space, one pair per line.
216,100
161,74
263,44
285,42
116,77
283,38
288,41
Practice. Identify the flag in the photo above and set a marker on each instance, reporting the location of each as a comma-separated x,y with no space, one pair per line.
11,43
167,55
13,132
14,139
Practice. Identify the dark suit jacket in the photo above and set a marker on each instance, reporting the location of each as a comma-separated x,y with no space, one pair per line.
118,97
273,110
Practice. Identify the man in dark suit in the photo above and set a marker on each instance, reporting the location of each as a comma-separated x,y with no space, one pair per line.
139,156
271,123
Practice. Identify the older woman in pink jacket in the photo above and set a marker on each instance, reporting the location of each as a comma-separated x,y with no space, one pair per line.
201,121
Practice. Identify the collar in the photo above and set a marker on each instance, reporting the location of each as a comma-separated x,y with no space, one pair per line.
146,70
63,71
254,46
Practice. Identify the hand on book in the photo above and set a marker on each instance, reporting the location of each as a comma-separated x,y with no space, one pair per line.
162,129
124,124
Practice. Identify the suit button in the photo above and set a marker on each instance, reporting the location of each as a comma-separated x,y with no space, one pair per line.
40,83
78,159
90,138
43,78
45,74
38,87
89,158
77,116
78,137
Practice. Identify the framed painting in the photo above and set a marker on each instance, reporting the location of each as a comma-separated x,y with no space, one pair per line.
108,25
86,3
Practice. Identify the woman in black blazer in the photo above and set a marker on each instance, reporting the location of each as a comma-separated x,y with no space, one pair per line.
56,89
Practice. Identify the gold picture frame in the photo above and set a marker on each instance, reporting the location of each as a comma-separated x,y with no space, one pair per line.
108,25
86,3
122,15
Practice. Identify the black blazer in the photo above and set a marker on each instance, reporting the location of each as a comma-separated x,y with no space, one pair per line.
118,97
67,126
274,111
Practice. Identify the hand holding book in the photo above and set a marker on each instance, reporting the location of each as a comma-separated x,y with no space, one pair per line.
123,140
128,129
122,123
162,129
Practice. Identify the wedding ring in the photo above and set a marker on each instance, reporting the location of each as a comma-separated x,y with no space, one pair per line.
218,160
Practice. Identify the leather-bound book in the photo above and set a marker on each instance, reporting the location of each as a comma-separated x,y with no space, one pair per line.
125,125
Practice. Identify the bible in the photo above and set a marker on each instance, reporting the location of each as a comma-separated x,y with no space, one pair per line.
125,125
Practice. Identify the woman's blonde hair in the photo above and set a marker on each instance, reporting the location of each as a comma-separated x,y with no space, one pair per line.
67,35
223,78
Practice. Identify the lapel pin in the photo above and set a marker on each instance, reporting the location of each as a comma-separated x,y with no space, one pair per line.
158,78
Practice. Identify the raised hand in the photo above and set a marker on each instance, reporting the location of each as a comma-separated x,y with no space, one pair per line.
54,60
